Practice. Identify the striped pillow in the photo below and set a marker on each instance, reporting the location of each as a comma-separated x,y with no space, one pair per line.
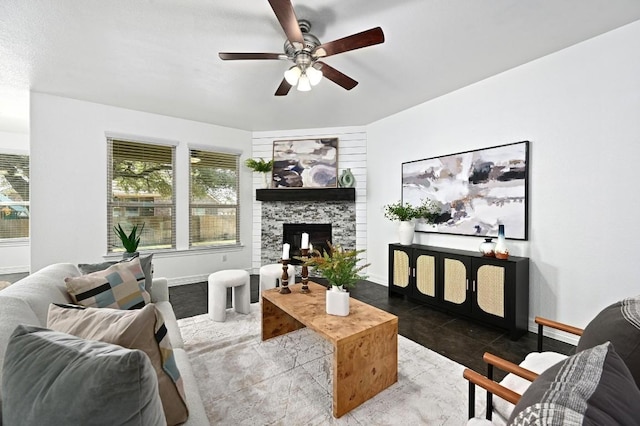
120,286
142,329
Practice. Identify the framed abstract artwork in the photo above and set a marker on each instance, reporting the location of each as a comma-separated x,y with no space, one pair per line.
475,190
305,163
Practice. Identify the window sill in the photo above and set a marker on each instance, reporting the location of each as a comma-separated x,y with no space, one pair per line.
195,251
14,242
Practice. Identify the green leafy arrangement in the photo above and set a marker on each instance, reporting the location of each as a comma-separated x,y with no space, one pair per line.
130,241
339,266
259,165
427,210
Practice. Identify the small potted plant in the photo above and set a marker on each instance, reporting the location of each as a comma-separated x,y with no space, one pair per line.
340,268
260,166
406,214
129,241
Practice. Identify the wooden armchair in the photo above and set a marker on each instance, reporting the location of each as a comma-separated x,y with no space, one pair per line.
494,388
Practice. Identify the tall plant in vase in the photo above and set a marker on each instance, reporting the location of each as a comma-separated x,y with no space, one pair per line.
260,166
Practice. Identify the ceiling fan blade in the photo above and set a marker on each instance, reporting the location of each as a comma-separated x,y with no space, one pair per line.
226,56
352,42
337,77
283,89
287,18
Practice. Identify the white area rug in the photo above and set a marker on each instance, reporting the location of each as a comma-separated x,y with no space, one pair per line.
287,380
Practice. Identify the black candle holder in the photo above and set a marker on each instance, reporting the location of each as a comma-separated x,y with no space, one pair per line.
305,271
284,281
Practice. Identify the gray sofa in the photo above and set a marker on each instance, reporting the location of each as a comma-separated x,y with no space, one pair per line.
27,302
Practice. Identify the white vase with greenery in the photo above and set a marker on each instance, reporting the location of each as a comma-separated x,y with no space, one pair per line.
407,215
340,268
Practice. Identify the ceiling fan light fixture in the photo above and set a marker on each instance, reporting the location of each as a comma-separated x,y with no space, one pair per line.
292,75
303,83
314,75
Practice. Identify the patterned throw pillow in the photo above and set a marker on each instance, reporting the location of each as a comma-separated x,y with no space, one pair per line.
142,329
619,324
53,378
120,286
592,387
145,263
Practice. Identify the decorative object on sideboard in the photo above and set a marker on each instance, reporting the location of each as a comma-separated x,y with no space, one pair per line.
347,180
260,166
307,163
130,241
488,248
501,251
472,188
407,215
340,268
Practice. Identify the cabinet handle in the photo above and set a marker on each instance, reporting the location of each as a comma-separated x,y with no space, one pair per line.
414,272
467,284
474,286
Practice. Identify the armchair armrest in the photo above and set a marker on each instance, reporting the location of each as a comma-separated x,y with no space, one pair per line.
492,387
160,290
542,322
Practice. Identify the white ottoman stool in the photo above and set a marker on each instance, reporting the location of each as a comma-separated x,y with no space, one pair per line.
270,274
219,281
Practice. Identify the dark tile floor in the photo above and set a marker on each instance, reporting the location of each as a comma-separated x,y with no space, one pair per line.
459,339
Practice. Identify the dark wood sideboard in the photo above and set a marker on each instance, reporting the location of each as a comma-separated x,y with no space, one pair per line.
485,289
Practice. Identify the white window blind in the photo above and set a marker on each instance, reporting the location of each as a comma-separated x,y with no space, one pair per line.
141,191
214,211
14,196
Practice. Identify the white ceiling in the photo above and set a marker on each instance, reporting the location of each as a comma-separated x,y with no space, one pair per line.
161,55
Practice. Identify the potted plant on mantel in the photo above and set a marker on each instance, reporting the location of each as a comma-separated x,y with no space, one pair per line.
129,241
260,166
407,214
340,268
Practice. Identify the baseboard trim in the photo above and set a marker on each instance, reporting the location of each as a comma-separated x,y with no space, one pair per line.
191,279
14,269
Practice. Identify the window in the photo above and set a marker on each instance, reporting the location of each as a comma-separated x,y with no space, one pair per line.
214,217
141,191
14,196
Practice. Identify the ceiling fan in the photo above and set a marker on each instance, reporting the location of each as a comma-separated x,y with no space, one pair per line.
305,51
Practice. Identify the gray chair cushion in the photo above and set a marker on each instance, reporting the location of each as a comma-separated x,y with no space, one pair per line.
592,387
619,324
53,378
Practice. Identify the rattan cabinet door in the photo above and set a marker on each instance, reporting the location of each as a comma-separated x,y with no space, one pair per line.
400,267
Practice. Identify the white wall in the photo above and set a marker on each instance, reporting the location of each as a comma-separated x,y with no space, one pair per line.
14,256
580,108
352,153
68,184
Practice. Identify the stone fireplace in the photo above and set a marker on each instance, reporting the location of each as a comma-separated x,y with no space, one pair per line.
340,215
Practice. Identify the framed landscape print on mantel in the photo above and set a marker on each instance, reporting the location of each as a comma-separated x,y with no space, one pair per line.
305,163
475,190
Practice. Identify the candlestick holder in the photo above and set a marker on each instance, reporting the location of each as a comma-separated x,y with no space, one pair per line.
305,271
284,281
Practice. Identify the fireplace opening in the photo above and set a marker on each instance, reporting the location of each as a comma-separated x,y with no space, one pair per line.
319,234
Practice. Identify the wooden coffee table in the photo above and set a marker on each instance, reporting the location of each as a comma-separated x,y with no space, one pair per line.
365,356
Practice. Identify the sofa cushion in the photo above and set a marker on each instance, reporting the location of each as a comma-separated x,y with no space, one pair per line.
145,263
591,387
619,324
13,312
120,286
103,383
142,329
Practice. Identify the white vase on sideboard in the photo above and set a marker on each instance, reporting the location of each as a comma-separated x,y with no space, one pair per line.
406,231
